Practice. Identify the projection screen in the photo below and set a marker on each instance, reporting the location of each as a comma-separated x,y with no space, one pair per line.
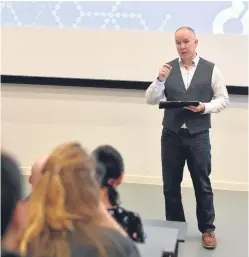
119,40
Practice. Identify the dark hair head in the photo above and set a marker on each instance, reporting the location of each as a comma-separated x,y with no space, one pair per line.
11,190
100,172
113,164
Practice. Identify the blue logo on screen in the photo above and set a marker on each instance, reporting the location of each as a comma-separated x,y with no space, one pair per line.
217,17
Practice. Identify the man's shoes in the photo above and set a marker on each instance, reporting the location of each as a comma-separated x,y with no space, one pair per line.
209,240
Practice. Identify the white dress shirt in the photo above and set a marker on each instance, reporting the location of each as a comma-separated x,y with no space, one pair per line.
220,101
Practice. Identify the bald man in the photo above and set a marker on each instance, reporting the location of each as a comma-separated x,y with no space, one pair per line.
185,133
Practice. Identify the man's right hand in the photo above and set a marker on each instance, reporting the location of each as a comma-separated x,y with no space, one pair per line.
164,72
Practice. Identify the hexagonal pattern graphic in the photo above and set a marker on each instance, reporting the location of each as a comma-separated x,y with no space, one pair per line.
217,17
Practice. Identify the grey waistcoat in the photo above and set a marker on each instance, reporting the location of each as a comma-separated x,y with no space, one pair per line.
200,89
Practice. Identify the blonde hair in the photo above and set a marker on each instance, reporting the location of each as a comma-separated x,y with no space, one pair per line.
66,199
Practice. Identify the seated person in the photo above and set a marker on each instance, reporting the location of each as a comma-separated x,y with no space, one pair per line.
113,170
65,214
12,208
36,173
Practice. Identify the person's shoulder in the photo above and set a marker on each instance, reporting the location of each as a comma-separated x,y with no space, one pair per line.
122,210
174,61
112,241
134,215
207,65
121,246
207,61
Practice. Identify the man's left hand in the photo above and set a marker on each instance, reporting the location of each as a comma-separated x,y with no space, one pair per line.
199,108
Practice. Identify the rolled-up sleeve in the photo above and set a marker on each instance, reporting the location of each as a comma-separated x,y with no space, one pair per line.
155,92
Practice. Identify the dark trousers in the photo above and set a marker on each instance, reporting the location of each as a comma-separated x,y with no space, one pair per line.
176,149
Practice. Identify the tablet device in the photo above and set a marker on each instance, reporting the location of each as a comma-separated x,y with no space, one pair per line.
177,104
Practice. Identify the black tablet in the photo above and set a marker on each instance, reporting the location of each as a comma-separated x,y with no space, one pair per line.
177,104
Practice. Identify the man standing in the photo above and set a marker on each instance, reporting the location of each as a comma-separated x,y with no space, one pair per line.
185,134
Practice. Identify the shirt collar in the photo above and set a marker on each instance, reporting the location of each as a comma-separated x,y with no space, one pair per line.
194,62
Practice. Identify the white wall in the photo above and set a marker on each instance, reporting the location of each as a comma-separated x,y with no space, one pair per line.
35,119
110,54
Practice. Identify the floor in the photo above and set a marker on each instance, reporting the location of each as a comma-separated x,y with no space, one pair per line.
231,218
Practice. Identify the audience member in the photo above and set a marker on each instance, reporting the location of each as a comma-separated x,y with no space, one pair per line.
12,208
113,171
65,212
36,172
